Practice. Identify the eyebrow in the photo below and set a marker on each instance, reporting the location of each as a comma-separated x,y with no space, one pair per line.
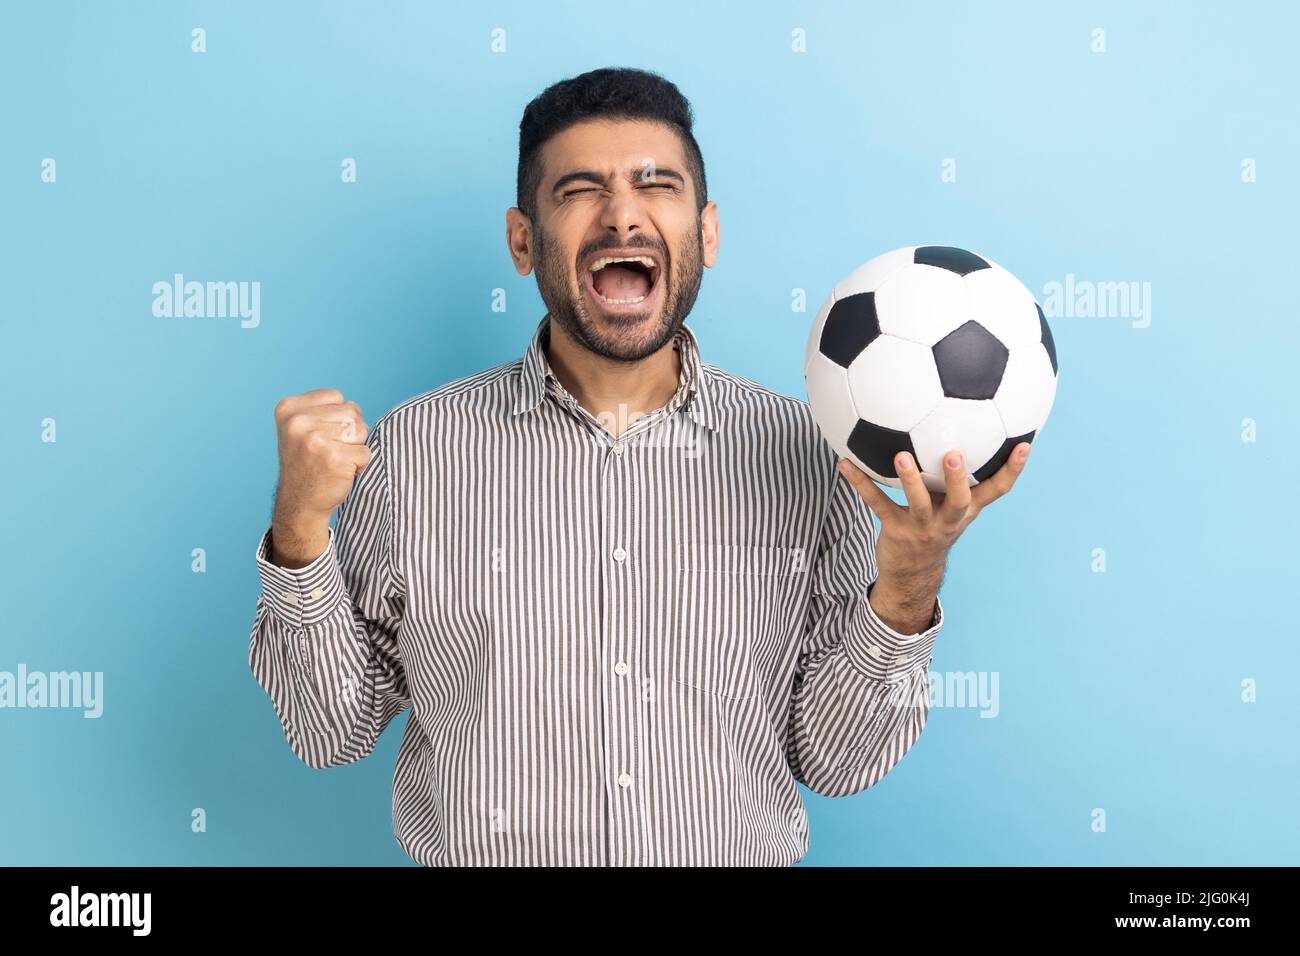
633,175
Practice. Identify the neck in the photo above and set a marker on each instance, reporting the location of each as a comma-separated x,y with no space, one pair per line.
615,393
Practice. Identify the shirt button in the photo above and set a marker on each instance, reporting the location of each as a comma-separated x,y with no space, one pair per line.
620,554
620,668
290,597
316,593
619,448
624,780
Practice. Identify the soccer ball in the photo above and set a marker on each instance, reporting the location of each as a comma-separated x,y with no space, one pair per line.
927,349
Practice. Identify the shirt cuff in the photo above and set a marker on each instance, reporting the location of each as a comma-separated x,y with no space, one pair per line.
882,653
300,597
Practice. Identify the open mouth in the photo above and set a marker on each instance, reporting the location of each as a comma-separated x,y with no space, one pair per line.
623,283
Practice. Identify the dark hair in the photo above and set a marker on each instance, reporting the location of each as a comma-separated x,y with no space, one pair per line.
613,93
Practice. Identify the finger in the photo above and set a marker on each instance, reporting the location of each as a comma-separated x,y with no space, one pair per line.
352,433
875,497
317,396
334,412
1002,481
918,496
322,396
358,455
957,499
293,404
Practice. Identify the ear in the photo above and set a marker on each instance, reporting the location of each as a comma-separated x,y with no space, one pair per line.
709,233
519,240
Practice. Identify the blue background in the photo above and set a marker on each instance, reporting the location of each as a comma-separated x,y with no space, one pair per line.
1119,690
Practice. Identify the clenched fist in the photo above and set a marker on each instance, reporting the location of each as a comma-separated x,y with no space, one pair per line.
322,441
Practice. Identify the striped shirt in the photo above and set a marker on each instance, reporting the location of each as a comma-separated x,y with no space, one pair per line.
615,651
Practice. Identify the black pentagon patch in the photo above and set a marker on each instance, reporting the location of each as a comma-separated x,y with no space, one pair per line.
850,327
971,361
990,467
876,447
949,257
1046,336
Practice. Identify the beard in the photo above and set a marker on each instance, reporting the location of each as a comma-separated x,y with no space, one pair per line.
556,278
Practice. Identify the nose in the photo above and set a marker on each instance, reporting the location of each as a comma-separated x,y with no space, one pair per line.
623,214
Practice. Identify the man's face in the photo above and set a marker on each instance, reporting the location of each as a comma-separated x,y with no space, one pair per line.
615,190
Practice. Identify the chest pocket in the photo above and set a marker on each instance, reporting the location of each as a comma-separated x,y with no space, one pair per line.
730,598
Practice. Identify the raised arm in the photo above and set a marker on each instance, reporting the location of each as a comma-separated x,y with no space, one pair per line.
324,639
860,698
861,695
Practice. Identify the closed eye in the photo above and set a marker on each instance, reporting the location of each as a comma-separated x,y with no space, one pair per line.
669,186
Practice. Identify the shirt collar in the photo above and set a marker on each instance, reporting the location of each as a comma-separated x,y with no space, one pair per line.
536,377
